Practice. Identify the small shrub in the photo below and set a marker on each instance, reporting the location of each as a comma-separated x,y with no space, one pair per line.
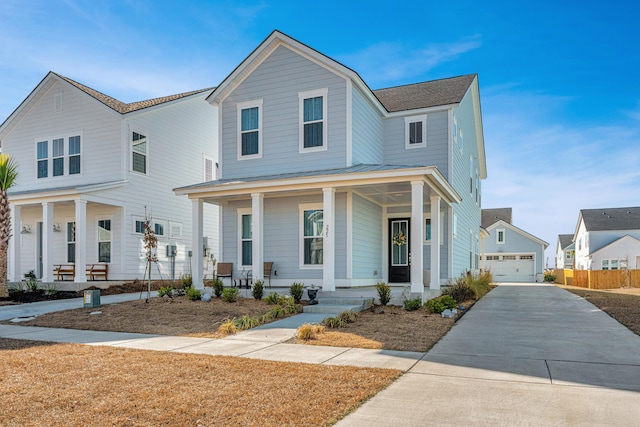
308,331
193,294
347,316
448,301
459,290
230,294
412,304
549,277
273,298
384,293
31,285
186,281
165,290
218,287
258,289
333,322
440,304
296,291
228,327
31,274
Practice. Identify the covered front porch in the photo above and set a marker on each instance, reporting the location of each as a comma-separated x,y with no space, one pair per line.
415,189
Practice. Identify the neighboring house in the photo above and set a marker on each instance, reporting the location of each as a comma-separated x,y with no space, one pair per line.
510,253
565,251
339,185
606,239
91,166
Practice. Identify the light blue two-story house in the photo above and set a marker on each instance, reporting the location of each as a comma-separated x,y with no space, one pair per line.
338,185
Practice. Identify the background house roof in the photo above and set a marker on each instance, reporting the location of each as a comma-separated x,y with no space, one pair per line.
565,240
491,216
611,219
122,107
426,94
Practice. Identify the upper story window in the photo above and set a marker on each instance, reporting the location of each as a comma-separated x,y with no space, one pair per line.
415,131
210,168
313,120
250,129
56,153
500,237
139,152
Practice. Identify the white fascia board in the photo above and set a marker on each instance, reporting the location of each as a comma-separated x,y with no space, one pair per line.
419,111
63,194
520,231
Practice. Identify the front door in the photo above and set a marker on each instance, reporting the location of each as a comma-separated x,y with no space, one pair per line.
399,256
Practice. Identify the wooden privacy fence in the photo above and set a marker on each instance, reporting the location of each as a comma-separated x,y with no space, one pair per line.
599,279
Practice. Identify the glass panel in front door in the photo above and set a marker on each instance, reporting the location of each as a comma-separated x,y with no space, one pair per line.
399,243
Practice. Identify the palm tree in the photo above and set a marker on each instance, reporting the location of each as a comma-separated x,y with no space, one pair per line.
8,175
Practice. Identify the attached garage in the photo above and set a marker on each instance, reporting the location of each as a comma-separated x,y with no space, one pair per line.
511,267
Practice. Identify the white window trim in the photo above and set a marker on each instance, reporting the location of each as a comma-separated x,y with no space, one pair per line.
428,216
240,213
147,153
504,236
242,106
65,156
135,219
325,128
98,241
214,168
413,119
301,209
454,230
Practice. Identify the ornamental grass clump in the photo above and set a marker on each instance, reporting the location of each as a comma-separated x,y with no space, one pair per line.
309,331
228,327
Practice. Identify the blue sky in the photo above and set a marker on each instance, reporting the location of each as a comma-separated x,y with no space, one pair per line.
558,79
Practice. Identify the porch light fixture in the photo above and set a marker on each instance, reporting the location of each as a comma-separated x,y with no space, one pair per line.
57,227
26,229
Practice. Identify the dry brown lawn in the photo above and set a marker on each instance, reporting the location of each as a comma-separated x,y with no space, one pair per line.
621,304
75,385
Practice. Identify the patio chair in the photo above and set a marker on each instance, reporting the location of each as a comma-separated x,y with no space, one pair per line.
225,269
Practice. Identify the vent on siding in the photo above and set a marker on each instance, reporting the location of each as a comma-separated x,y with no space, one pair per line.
57,102
175,230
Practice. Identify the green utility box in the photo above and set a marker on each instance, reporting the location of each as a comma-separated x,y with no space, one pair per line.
92,298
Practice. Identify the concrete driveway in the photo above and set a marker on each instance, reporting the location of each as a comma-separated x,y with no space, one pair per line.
527,354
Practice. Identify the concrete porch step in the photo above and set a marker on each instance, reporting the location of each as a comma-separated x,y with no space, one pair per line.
336,305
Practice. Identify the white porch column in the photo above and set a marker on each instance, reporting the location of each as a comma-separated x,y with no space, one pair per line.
417,237
329,241
81,241
13,266
196,243
257,236
47,242
435,242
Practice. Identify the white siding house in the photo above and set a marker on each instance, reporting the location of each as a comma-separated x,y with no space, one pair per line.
510,253
340,186
565,251
91,167
606,239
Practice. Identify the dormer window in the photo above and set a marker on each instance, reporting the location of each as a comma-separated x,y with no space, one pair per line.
249,129
313,120
415,132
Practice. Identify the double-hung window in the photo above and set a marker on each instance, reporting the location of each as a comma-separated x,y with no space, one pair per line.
250,129
138,152
415,131
246,237
43,159
74,155
104,240
58,157
312,235
71,242
313,120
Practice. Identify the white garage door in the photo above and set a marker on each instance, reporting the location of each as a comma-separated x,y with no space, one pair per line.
511,267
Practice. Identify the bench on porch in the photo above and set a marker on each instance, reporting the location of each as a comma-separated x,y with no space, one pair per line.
97,270
63,270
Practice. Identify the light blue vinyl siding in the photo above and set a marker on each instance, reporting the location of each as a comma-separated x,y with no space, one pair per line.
277,81
368,131
468,211
436,152
367,238
282,236
514,243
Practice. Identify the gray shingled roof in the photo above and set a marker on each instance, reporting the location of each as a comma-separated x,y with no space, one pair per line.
427,94
491,216
565,240
122,107
611,219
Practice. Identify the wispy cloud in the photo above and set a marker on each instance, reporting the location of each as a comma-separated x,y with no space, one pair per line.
395,61
547,169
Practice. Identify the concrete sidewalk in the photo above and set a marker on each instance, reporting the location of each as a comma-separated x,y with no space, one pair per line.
266,342
525,355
